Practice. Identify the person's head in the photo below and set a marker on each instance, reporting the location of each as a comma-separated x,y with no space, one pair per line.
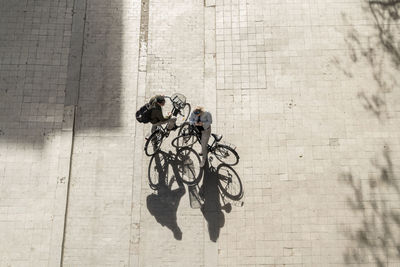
198,110
160,100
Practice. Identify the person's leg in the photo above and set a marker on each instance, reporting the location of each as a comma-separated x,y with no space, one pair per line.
205,136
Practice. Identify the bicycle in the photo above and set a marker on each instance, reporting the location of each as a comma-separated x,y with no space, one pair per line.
185,166
188,135
181,111
227,180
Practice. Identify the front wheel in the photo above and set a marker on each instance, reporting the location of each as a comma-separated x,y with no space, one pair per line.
183,114
153,143
229,182
226,154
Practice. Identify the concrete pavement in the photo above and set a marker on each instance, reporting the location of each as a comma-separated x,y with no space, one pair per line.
306,90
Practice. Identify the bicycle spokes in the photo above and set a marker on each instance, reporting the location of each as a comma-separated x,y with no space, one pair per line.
226,154
189,165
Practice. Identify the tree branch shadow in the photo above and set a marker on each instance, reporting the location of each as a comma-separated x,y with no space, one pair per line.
377,237
380,49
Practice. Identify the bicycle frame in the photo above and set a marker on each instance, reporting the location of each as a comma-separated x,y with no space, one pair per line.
162,128
198,134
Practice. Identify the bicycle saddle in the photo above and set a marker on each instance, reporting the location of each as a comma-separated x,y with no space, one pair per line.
217,137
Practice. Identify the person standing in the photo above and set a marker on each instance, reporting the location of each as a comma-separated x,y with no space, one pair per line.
157,118
202,120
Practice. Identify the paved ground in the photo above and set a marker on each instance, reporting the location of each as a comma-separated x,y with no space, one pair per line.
306,90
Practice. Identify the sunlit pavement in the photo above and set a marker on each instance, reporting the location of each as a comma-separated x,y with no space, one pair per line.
307,92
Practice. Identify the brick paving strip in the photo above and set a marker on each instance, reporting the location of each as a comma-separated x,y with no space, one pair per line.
71,102
171,233
134,245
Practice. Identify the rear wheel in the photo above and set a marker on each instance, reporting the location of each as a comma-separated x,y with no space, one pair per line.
226,154
229,182
153,143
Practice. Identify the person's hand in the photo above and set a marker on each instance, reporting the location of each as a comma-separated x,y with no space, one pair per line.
199,124
169,114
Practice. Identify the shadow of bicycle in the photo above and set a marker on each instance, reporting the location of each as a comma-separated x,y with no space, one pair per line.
169,172
166,174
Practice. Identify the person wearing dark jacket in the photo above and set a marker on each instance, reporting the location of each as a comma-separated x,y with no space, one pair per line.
156,117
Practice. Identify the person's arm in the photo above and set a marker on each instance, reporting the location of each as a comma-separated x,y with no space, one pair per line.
208,122
192,119
158,115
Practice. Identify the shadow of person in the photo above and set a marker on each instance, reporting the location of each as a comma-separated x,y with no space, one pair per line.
211,208
163,204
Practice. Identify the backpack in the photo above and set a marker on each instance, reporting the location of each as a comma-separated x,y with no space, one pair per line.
144,113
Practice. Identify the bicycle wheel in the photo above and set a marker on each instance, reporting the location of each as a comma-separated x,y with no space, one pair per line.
188,165
185,137
226,154
183,114
184,128
158,170
153,143
229,182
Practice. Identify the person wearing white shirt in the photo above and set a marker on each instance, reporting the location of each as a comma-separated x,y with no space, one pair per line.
202,120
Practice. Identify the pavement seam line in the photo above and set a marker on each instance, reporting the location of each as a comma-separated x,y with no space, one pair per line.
68,187
75,109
